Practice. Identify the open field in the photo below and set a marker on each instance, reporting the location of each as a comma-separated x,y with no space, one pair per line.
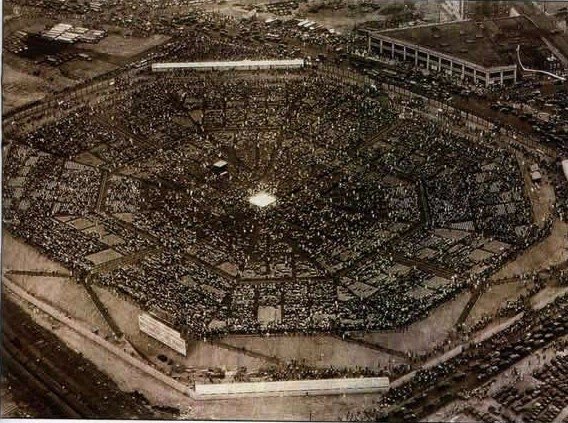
20,88
34,359
63,293
126,377
124,46
340,15
83,70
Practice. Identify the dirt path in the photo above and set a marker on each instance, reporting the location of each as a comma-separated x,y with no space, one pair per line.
88,390
551,251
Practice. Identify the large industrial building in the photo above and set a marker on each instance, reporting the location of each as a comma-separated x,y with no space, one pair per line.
479,52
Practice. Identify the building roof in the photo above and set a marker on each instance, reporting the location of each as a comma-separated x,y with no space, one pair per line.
489,43
347,385
220,163
243,64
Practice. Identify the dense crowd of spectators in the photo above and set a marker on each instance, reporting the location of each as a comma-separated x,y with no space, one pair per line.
378,217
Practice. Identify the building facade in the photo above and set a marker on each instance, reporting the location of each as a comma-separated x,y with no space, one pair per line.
452,10
383,45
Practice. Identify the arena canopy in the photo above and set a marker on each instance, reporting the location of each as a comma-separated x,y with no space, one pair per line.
293,388
235,65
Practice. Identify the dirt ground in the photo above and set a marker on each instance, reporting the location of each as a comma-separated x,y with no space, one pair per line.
323,408
422,336
544,296
541,195
200,355
346,18
20,88
64,293
71,298
494,298
268,408
315,350
67,295
125,376
117,45
553,250
100,397
16,255
342,19
83,70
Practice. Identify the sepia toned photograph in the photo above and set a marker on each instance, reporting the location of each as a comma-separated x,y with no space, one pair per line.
285,210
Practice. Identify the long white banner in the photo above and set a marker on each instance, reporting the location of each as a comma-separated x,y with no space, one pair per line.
163,333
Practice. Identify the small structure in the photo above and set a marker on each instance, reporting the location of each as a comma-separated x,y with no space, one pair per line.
69,34
220,167
536,176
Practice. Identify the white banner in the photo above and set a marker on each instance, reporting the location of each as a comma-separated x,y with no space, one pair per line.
162,333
